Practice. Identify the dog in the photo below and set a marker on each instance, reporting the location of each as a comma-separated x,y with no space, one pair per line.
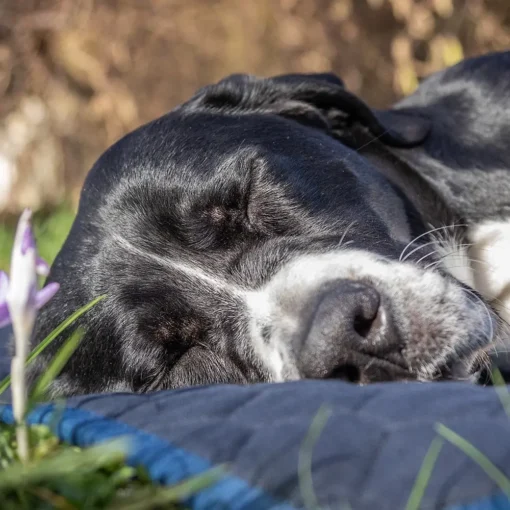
274,229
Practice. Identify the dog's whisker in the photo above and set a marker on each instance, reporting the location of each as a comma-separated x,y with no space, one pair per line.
426,256
501,305
483,358
418,248
453,225
435,251
346,231
499,351
489,316
468,259
371,141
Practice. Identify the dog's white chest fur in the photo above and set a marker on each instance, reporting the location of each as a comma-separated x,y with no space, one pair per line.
489,256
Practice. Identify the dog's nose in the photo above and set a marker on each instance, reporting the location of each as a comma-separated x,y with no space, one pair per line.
349,329
349,310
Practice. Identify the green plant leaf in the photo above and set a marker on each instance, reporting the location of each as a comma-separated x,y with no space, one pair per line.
55,367
475,454
501,389
423,478
67,462
155,497
305,458
54,334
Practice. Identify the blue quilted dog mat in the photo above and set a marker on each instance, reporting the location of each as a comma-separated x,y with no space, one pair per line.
366,457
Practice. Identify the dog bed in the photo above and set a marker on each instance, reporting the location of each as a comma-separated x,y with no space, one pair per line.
366,457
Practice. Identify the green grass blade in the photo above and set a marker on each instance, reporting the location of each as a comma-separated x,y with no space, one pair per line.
54,334
56,365
423,478
501,389
475,454
305,458
153,497
67,462
62,327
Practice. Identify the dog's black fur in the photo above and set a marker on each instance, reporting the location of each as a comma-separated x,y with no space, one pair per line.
241,180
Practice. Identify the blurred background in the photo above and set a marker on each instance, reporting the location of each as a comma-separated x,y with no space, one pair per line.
75,75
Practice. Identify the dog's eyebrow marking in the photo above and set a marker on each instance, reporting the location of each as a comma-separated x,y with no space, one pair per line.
193,272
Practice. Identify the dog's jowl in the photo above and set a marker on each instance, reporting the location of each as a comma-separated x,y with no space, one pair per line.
280,229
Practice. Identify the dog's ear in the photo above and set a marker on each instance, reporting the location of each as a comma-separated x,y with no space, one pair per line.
466,156
319,100
467,108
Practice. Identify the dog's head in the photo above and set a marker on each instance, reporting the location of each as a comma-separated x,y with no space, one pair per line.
243,238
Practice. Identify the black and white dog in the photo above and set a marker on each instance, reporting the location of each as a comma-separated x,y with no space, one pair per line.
279,229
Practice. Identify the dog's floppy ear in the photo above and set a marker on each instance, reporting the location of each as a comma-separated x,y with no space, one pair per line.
466,155
467,107
320,100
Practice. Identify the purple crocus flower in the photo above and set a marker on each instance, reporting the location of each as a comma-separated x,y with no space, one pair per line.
19,301
20,295
4,310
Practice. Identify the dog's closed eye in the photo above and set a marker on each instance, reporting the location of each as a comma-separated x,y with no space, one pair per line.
218,219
